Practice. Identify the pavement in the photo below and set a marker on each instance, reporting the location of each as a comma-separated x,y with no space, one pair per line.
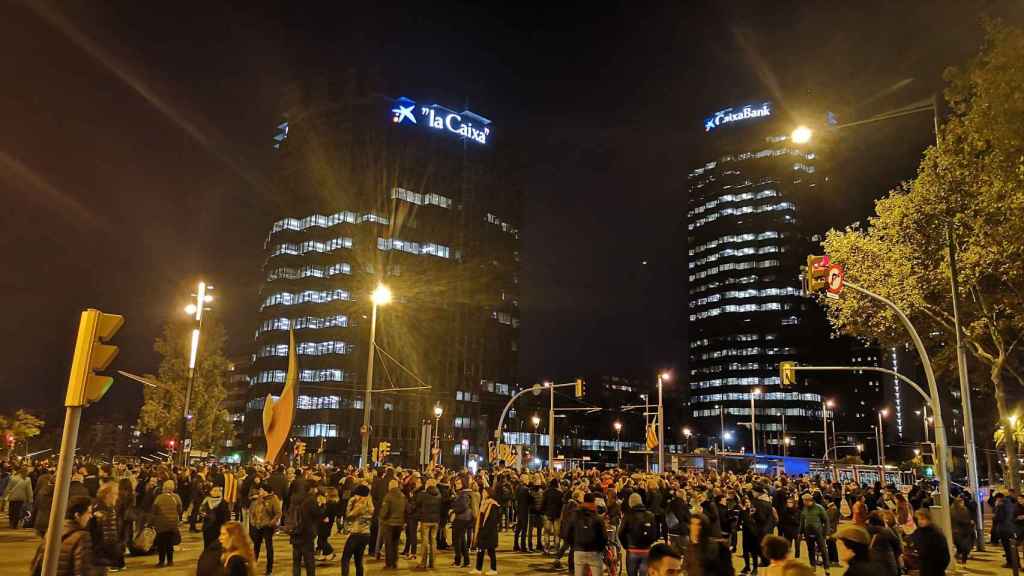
17,548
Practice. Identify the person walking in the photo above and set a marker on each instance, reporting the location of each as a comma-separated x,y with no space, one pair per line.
164,518
1004,529
358,515
708,556
931,545
637,533
75,558
332,511
237,555
19,496
308,508
485,537
463,510
264,517
885,547
215,512
392,518
589,538
963,529
428,508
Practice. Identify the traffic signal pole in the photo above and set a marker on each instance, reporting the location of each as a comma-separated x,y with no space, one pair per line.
61,487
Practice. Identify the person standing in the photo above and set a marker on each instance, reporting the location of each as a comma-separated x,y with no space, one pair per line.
486,535
332,512
523,500
813,527
428,508
75,557
463,510
392,518
589,538
963,529
1004,513
106,528
358,515
637,533
236,556
930,544
19,496
164,517
853,542
264,517
215,512
445,490
663,560
304,519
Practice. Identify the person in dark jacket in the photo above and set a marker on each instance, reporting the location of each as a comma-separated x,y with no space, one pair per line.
678,520
42,504
1004,513
445,492
552,513
885,547
392,518
637,533
706,556
789,520
310,510
485,537
854,542
463,510
930,544
164,519
523,501
106,528
215,512
428,509
76,547
589,537
537,515
332,510
963,529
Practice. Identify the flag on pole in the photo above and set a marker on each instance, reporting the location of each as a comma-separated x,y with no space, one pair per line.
652,434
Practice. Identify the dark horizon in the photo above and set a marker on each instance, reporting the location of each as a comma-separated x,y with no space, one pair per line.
136,156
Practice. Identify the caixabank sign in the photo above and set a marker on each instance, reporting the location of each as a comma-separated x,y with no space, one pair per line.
467,125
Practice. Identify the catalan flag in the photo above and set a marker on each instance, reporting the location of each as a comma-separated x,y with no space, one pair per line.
652,434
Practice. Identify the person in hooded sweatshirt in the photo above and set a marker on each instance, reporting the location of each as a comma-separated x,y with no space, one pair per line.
428,508
637,533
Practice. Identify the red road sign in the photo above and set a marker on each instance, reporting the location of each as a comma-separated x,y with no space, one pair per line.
835,278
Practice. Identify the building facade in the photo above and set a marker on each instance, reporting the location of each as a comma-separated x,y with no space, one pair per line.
382,190
750,217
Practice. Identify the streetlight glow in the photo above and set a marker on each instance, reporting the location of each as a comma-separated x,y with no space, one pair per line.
687,432
666,376
618,426
381,295
535,420
190,309
438,411
756,391
884,412
830,404
801,135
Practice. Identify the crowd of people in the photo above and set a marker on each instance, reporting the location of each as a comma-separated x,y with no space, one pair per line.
585,521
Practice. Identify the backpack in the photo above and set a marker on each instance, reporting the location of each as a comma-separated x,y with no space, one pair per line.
642,531
586,534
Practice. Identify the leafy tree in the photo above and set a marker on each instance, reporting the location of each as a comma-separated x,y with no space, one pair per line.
971,182
20,427
163,407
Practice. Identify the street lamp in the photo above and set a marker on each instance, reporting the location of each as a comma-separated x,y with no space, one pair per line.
438,411
801,135
381,295
753,426
194,309
465,452
663,377
825,407
618,440
687,433
881,441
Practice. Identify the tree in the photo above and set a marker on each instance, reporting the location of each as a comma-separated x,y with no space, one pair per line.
163,407
20,428
970,182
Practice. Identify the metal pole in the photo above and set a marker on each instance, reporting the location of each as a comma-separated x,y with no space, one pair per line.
924,413
824,421
186,437
721,437
881,443
62,484
618,440
365,456
551,430
661,430
970,450
785,444
753,430
940,427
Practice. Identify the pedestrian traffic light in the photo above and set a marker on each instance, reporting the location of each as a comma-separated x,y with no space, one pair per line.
385,449
816,274
579,388
375,454
92,355
787,373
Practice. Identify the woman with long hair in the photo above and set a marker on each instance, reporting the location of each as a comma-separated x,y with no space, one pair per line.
904,515
486,535
237,557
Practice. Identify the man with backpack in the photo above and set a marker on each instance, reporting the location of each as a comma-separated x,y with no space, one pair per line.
264,516
588,537
300,524
637,533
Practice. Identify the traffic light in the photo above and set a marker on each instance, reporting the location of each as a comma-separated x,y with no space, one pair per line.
10,440
816,274
170,444
384,450
787,373
92,355
579,388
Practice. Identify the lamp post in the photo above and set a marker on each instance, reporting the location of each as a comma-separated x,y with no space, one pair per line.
686,434
465,453
661,422
438,411
721,434
381,295
753,424
194,309
825,406
881,439
618,440
535,420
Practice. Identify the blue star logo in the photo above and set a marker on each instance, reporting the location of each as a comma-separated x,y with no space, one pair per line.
403,111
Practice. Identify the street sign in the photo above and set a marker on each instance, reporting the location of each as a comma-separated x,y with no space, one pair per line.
835,278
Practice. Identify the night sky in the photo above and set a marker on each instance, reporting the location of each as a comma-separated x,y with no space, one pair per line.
135,150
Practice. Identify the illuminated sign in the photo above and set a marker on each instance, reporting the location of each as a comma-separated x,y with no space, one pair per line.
730,115
466,124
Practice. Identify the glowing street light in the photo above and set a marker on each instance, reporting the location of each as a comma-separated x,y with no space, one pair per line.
194,309
381,295
881,441
618,439
753,430
801,135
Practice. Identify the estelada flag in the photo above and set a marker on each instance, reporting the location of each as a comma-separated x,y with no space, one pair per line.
652,434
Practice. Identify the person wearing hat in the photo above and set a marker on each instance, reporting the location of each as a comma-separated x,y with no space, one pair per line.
854,544
637,533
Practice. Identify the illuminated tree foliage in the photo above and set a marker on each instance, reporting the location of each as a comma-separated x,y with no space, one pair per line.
20,427
972,182
163,407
